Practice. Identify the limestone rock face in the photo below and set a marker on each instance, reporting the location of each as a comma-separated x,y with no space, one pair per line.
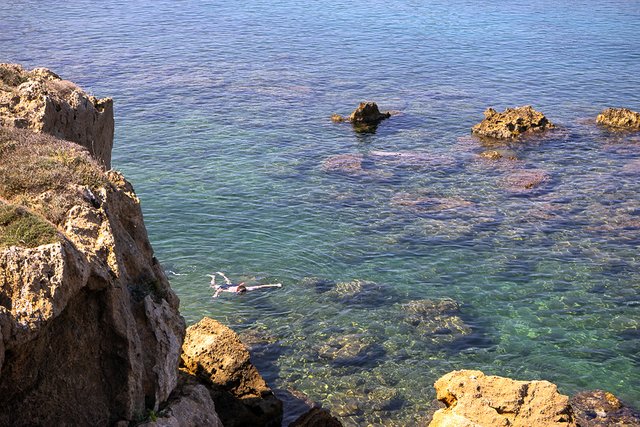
597,408
90,330
622,118
511,123
42,102
191,406
214,354
475,399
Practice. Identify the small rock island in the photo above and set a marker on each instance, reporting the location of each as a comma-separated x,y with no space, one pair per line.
511,123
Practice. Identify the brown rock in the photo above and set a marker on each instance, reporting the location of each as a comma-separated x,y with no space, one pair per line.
190,405
90,328
474,399
599,408
368,113
511,123
498,155
365,118
43,102
621,118
316,417
213,353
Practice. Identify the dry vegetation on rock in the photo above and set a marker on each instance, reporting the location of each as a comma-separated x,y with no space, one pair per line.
45,174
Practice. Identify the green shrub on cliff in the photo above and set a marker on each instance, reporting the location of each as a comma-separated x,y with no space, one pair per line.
18,227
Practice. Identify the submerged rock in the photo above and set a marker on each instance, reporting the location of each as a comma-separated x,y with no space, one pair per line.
42,102
525,181
436,320
621,118
351,349
599,408
318,284
214,353
511,123
350,164
365,118
499,155
358,292
423,203
475,399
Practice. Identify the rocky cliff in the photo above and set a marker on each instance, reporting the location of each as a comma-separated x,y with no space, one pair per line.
90,328
41,101
90,332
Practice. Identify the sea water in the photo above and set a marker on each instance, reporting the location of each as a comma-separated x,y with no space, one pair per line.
222,125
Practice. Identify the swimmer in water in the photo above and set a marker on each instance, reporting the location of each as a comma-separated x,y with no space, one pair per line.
240,288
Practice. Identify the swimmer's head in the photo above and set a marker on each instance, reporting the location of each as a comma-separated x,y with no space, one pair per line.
241,288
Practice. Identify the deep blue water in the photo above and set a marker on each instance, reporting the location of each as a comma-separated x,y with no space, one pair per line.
222,125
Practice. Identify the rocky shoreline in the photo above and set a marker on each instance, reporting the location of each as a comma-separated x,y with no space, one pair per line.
90,329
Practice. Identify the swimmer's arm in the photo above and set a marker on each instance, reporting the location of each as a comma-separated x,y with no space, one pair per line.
272,285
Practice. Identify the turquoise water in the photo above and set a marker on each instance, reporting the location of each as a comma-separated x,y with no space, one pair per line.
222,115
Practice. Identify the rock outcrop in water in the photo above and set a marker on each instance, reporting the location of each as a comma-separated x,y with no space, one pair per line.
511,123
597,408
41,101
365,118
213,353
475,399
619,118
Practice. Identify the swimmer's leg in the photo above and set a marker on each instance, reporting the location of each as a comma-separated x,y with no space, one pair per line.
226,279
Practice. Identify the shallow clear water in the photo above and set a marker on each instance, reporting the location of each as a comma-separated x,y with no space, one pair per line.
222,115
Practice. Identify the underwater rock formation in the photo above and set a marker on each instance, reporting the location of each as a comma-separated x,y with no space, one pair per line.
511,123
437,321
214,353
358,292
42,102
620,118
350,164
475,399
597,408
525,181
365,118
351,349
498,155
